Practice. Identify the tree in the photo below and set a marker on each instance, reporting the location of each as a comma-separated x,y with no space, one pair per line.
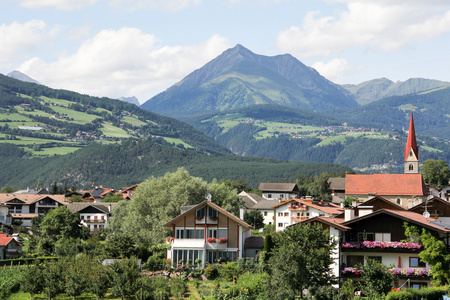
113,198
435,172
124,274
301,258
157,200
254,218
32,280
121,246
7,189
376,279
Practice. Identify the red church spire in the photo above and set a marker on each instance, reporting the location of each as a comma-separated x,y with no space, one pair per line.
411,143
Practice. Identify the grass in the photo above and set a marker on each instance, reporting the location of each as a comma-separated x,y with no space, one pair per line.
34,112
133,121
14,117
112,131
177,141
430,149
78,116
55,151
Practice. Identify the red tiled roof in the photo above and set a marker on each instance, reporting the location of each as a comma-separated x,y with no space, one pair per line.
329,209
411,143
335,222
385,184
5,240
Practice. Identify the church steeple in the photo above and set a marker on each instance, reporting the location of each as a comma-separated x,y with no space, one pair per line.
411,150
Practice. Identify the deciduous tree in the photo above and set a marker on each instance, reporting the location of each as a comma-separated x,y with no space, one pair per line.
435,172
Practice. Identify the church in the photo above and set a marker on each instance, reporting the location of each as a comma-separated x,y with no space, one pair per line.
406,189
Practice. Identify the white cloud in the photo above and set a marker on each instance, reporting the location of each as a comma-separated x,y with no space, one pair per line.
126,62
66,5
18,38
377,25
170,5
336,70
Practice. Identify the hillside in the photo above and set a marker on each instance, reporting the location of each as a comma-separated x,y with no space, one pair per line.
239,78
430,113
45,121
278,132
119,165
376,89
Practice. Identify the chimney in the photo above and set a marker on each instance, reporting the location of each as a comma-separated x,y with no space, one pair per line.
241,213
342,204
349,214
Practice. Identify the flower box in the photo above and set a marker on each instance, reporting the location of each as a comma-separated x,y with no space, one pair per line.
381,245
395,271
211,240
223,240
213,218
199,218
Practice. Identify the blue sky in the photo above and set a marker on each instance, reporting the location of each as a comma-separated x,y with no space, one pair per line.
139,48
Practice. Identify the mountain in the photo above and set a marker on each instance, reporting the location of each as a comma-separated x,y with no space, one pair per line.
238,78
376,89
279,132
43,120
22,77
132,100
430,113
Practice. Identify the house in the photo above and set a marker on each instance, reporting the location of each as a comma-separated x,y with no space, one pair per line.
337,186
95,216
24,207
207,232
5,218
279,190
10,247
256,202
406,190
293,211
437,208
378,236
96,195
127,192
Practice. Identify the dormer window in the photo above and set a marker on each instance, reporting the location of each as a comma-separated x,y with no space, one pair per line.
212,213
200,213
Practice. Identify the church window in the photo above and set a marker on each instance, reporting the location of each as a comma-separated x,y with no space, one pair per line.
398,200
411,167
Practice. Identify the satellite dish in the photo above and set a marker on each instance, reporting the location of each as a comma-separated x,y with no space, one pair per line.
208,196
426,214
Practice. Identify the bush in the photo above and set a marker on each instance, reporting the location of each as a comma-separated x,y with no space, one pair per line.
211,272
228,271
177,287
431,293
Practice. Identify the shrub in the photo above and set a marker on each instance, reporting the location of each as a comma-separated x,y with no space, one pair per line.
177,287
228,271
211,272
431,293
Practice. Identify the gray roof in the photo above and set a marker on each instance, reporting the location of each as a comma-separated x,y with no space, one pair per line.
104,207
336,183
262,203
186,208
278,187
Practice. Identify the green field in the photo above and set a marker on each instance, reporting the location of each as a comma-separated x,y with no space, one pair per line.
177,141
430,149
14,117
34,112
115,132
133,121
78,116
55,151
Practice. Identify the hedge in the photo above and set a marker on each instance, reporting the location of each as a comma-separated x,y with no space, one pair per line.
430,293
25,261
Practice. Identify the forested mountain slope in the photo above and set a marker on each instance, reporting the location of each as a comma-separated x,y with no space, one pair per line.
376,89
239,78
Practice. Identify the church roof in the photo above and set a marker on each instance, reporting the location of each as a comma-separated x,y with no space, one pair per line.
411,143
385,184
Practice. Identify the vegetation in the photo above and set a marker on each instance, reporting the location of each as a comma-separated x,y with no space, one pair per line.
435,172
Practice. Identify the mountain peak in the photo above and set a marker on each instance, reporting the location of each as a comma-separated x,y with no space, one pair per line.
22,77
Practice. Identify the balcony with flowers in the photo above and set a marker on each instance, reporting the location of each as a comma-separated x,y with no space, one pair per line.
298,207
402,273
375,246
213,243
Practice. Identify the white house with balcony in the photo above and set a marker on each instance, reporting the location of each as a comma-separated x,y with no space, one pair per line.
5,218
95,216
206,233
24,207
296,210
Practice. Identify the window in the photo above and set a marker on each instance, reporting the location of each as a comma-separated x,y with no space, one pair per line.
365,236
280,214
416,262
382,237
269,195
265,213
82,217
418,285
399,200
353,260
223,233
286,214
411,167
212,233
200,213
212,212
200,233
280,224
376,258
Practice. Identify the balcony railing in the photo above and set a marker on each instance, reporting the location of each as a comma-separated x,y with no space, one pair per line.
298,219
351,272
93,221
298,207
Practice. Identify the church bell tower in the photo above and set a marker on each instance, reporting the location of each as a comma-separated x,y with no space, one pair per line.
411,150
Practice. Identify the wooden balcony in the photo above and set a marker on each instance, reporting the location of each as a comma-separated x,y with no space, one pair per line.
298,219
93,221
298,208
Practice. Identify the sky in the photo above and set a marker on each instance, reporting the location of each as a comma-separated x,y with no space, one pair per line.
115,48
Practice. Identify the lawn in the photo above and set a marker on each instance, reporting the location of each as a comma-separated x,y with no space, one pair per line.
78,116
55,151
34,112
133,121
14,117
